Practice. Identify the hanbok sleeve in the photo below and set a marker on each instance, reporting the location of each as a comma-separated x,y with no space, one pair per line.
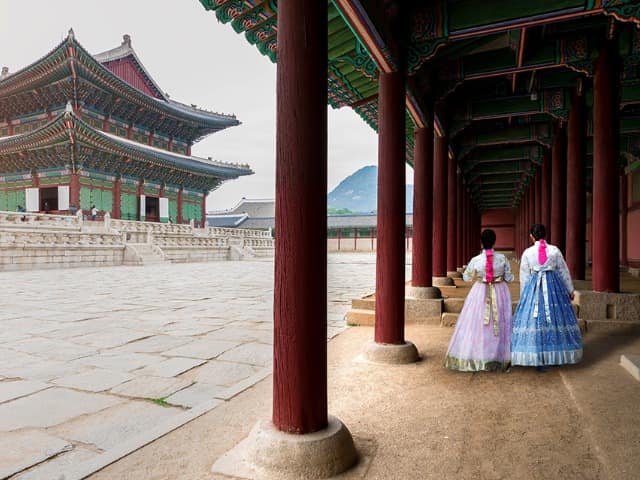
508,276
563,271
470,271
525,271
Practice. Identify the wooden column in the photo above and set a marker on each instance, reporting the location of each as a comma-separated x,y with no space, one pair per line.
74,190
439,258
558,189
538,196
117,210
624,198
300,293
179,206
532,201
452,213
576,213
605,276
204,210
422,206
459,217
545,203
389,323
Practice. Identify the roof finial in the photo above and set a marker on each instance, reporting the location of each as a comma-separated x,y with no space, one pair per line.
69,107
5,72
126,40
71,34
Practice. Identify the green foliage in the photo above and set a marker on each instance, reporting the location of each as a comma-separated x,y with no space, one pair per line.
338,211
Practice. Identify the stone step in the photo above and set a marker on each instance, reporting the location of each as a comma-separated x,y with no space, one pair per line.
453,305
612,327
367,303
361,317
631,363
449,319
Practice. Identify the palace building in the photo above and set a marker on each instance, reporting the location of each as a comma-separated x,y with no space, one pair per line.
80,130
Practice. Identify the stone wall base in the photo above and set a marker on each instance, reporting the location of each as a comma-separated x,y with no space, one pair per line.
621,307
30,257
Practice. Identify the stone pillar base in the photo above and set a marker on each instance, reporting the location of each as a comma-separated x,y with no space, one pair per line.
268,453
422,292
391,354
455,274
608,306
443,282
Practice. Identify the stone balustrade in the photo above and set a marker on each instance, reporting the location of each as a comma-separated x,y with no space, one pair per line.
39,220
132,226
60,238
179,241
238,232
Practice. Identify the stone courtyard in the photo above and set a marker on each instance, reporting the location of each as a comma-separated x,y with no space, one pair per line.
95,363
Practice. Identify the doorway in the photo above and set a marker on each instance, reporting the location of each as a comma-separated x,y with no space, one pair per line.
49,199
152,209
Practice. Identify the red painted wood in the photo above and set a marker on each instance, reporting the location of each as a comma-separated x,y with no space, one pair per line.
422,207
605,272
545,204
300,290
126,69
624,209
179,212
538,196
117,211
204,210
439,258
74,190
452,212
558,189
390,252
576,190
459,213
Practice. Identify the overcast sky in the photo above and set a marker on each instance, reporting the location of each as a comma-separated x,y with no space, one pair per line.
196,60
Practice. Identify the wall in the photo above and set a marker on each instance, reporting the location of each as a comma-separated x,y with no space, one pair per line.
502,221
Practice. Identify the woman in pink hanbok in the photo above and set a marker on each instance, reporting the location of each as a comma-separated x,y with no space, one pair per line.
482,336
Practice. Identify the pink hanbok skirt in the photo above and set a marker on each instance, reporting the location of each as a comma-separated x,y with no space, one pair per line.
477,344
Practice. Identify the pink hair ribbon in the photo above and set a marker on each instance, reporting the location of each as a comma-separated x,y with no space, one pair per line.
542,251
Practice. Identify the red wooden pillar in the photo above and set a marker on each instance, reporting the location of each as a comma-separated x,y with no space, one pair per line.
422,206
624,260
605,253
558,189
74,190
117,211
204,210
532,201
545,204
389,322
538,195
459,217
300,290
179,207
439,258
576,191
452,212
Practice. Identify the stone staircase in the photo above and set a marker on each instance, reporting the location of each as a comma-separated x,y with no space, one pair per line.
143,254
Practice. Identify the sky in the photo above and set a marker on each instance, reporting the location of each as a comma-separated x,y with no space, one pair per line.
196,60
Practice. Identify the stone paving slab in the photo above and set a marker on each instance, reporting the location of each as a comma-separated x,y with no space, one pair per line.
51,407
120,361
11,390
196,394
170,367
52,468
21,450
630,362
150,387
155,344
252,353
52,349
95,380
221,373
111,426
205,349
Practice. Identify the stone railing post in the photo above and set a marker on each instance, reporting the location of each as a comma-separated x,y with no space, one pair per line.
107,222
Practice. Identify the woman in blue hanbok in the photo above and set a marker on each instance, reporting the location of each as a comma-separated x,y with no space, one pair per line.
545,328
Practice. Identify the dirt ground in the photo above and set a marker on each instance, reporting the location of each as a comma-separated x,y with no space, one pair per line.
421,421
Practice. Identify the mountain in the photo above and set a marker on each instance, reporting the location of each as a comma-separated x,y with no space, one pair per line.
358,192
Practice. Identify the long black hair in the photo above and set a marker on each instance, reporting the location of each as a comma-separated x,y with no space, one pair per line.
488,238
538,231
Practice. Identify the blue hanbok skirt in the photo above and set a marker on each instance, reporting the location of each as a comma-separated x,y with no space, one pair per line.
545,329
